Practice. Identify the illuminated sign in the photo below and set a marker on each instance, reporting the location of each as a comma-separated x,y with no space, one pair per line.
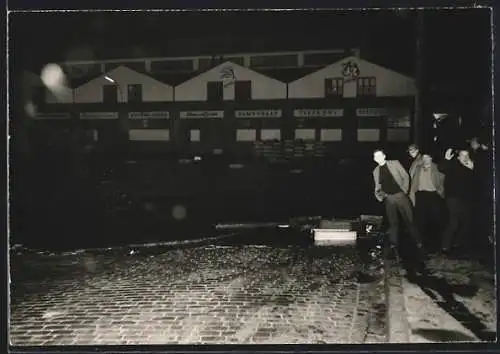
149,115
99,115
202,114
260,113
301,113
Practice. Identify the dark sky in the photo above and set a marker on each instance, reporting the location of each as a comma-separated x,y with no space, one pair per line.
457,42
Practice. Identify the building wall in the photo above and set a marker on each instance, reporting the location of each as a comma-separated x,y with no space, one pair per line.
263,87
346,127
389,83
189,122
152,90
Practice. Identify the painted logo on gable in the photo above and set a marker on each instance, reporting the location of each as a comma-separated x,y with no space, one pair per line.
227,76
350,71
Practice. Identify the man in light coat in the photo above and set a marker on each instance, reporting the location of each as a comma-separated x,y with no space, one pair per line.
392,184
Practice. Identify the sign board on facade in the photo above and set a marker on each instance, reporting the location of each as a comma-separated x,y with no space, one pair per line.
399,122
202,114
301,113
99,115
58,115
371,112
259,113
149,115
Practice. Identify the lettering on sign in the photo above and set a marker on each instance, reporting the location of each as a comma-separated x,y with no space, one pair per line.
350,71
371,112
58,115
300,113
259,113
399,122
202,114
149,115
99,115
227,76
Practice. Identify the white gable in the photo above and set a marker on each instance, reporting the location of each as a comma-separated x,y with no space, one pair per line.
263,87
152,89
389,83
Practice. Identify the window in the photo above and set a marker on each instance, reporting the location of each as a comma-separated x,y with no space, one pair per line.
334,87
243,90
194,135
215,91
135,93
331,134
368,135
149,134
367,86
110,93
305,134
246,135
270,134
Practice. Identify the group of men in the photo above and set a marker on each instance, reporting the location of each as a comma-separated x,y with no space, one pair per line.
439,201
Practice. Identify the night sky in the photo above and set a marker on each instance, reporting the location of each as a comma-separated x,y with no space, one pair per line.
457,42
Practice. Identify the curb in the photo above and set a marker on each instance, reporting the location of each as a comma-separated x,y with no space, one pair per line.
129,247
398,327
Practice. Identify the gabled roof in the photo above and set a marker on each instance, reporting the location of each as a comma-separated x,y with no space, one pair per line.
76,82
235,65
326,68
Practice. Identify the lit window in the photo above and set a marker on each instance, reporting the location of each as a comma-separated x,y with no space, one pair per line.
368,135
270,134
331,134
194,135
246,135
305,134
149,134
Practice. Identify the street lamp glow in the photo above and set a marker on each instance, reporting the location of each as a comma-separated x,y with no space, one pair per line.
109,79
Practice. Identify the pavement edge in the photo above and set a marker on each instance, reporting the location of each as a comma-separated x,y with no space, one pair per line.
398,328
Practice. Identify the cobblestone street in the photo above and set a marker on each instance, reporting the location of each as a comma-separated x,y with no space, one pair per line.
207,294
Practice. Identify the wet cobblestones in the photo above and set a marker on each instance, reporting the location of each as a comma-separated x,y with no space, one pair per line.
214,295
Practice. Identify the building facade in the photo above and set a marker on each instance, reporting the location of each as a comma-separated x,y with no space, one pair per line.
236,106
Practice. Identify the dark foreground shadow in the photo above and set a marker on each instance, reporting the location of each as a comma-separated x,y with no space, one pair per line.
443,335
443,294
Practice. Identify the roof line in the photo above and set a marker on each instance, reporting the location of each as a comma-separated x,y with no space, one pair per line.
229,55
